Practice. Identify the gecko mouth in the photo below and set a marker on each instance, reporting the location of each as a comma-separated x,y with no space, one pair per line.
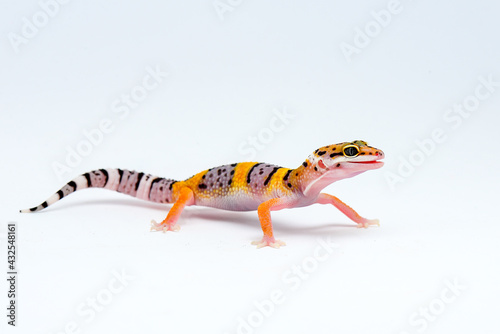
369,164
366,162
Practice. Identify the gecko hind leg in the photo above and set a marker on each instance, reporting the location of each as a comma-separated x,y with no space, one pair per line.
186,198
347,210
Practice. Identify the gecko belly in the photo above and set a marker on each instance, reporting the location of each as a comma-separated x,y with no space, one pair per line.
235,202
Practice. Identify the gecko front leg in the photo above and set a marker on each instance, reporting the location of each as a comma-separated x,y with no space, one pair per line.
186,197
324,198
264,212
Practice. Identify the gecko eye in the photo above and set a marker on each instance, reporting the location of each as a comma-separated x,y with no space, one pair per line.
350,151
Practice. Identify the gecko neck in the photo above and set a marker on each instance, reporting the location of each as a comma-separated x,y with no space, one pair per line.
312,181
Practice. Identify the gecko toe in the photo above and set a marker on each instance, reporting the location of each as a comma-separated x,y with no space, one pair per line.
368,223
267,241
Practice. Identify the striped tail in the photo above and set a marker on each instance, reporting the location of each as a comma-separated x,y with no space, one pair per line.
140,185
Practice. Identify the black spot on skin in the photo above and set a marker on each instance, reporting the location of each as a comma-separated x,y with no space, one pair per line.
89,182
219,172
158,179
210,175
251,170
44,205
161,188
121,175
211,184
268,165
229,182
225,174
315,168
232,172
362,153
370,153
316,151
261,172
72,184
202,186
218,179
321,153
296,174
171,185
233,165
338,165
224,170
105,172
275,169
139,177
334,154
61,194
289,185
286,175
33,209
220,184
203,177
304,164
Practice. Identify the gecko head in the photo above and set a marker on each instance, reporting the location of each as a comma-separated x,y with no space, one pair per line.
350,157
336,162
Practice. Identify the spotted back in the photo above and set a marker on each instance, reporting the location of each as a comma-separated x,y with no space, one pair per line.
259,177
215,181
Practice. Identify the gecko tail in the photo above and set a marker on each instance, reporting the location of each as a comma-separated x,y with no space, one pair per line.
140,185
51,200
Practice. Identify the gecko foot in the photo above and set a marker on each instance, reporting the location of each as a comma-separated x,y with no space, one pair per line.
369,222
164,227
268,241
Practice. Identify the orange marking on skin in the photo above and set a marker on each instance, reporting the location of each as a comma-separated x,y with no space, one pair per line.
277,182
264,212
185,198
240,176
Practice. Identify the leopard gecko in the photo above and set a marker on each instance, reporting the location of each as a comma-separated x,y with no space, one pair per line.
244,186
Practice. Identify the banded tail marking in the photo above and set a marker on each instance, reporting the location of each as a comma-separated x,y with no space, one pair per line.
131,183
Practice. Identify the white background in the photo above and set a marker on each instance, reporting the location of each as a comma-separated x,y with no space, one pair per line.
227,75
